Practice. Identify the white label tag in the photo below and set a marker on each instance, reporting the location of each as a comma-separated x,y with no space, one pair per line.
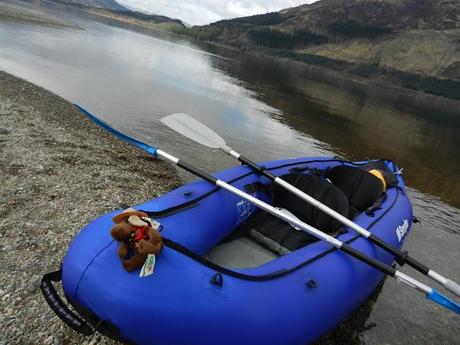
156,225
149,264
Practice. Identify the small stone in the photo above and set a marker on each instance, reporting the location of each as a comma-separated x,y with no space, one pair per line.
49,340
94,341
31,287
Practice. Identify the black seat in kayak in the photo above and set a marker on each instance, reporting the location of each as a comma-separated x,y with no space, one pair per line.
347,190
279,236
360,185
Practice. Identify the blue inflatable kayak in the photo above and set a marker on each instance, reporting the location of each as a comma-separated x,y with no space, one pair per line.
199,295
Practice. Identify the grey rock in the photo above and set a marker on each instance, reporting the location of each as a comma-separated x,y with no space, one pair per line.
33,286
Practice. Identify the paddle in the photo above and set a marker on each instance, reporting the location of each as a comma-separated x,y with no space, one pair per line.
430,293
195,130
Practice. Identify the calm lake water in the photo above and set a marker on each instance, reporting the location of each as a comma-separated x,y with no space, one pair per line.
267,108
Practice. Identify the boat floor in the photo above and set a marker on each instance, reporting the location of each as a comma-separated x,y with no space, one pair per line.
242,252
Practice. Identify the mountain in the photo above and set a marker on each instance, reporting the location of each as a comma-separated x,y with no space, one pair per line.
396,15
337,21
371,38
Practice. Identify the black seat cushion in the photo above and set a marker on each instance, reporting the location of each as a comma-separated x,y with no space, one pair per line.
318,188
360,187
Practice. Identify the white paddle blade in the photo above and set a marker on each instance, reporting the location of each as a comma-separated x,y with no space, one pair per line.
193,129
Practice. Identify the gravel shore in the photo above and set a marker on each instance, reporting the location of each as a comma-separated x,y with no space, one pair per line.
58,172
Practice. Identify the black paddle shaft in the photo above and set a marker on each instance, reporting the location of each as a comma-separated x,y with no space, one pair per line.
401,257
197,172
254,166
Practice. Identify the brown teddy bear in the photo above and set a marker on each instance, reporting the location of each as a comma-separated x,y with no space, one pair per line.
138,235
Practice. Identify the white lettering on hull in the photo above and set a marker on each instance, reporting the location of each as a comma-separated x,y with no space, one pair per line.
401,230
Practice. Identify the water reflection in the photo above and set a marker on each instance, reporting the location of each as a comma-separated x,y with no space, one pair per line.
362,121
132,80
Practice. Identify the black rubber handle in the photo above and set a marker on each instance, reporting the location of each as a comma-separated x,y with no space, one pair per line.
254,166
57,305
388,270
197,172
400,256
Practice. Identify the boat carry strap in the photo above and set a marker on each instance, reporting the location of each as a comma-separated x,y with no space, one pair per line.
59,307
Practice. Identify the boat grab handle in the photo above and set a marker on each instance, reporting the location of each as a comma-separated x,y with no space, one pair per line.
58,306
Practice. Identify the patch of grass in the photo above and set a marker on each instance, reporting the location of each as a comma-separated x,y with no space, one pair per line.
202,33
367,71
282,40
272,18
351,29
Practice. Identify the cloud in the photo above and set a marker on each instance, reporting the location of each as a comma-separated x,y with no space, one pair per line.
199,12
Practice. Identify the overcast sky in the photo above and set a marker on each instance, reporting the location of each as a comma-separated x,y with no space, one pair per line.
199,12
